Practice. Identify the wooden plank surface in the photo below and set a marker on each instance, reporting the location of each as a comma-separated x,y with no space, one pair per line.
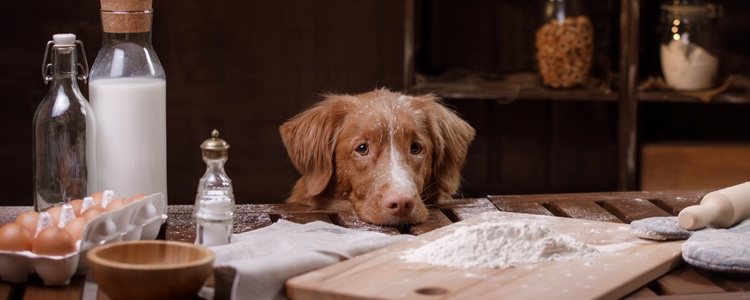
35,289
180,226
712,296
642,292
435,220
302,217
731,282
674,205
250,221
686,281
545,198
5,290
586,210
633,209
349,219
523,207
462,209
609,275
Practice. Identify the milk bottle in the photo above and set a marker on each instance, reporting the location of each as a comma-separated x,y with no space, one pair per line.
127,90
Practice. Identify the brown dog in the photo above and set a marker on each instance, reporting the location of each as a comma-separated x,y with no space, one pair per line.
385,152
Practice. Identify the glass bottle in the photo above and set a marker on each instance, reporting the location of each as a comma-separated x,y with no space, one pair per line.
689,49
214,202
565,44
127,90
64,128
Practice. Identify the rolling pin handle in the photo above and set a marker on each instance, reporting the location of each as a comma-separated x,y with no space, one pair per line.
697,216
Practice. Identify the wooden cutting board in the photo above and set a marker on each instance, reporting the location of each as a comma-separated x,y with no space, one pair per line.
625,264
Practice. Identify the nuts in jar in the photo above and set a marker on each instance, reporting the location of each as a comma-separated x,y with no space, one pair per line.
564,51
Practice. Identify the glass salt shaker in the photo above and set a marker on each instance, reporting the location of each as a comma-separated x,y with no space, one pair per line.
64,128
689,49
214,203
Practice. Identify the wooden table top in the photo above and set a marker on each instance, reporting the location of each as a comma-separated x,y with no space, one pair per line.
623,207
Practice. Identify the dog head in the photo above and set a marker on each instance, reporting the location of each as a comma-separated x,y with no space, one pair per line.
386,153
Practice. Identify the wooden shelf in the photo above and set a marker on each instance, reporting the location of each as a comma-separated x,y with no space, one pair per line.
525,86
499,39
503,90
672,96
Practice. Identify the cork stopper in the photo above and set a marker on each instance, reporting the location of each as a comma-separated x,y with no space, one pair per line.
126,5
126,16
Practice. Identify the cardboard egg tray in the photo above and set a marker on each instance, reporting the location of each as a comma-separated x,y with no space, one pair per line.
139,220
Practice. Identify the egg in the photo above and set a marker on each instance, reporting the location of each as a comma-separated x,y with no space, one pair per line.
97,198
92,212
77,204
53,240
136,197
75,227
28,219
15,237
117,203
54,213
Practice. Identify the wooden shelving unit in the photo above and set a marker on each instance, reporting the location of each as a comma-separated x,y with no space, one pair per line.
508,88
670,96
623,32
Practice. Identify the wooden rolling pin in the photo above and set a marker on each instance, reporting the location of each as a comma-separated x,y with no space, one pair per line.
719,209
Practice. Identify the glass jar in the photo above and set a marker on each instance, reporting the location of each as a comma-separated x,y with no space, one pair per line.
689,48
565,44
127,90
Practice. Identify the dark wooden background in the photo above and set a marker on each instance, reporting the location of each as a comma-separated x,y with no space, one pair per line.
244,67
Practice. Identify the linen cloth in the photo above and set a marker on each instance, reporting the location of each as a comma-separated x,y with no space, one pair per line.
265,258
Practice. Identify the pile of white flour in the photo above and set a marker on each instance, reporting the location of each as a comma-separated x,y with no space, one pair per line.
499,245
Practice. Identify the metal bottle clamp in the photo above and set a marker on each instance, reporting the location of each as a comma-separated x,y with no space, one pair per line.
46,67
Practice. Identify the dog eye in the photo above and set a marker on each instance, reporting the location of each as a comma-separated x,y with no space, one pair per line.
362,149
415,149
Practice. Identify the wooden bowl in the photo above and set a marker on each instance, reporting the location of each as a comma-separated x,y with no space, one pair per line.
150,269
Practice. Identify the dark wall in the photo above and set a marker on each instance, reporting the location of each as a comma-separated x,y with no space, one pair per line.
242,67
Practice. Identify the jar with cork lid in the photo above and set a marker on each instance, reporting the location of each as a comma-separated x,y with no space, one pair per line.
127,91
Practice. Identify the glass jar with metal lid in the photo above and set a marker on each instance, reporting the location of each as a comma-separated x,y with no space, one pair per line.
565,44
689,48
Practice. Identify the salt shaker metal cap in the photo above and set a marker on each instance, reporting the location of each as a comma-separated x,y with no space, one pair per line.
214,147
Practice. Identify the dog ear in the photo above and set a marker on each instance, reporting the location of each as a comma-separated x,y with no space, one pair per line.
451,138
310,140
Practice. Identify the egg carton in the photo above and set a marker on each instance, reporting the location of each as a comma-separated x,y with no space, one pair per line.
139,220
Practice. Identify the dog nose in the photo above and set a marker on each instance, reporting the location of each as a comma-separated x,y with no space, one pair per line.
399,205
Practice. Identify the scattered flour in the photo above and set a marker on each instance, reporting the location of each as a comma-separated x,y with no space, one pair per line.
499,245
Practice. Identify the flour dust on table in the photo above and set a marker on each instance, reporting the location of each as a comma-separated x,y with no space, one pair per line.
499,245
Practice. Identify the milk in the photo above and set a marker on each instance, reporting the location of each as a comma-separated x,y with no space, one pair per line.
131,134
